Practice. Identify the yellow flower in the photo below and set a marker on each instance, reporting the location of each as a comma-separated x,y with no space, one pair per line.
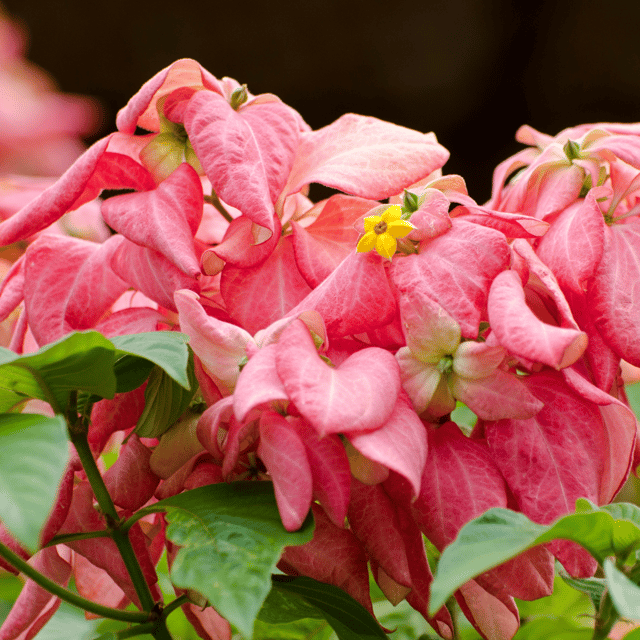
381,232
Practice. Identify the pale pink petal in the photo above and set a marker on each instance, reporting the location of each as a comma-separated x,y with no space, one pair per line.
149,271
329,470
258,383
522,333
323,245
246,155
285,457
219,345
164,219
573,246
370,303
257,296
400,444
455,270
365,157
614,292
141,110
496,396
358,395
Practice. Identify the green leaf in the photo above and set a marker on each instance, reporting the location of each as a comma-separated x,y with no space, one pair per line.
34,453
624,593
165,402
501,534
633,635
592,587
303,629
556,628
166,349
231,539
633,395
81,361
348,618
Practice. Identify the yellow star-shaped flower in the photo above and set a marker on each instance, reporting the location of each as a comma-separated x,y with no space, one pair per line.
380,232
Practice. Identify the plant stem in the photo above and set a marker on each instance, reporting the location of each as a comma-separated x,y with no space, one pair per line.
606,617
63,538
215,201
78,435
68,596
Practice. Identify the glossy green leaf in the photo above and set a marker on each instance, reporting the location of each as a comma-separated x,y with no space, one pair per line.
348,618
624,593
501,534
81,361
303,629
231,538
633,635
166,349
34,453
165,402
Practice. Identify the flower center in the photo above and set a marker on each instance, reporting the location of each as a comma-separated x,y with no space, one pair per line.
381,227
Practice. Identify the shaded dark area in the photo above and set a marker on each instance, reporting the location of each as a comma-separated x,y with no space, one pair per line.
472,71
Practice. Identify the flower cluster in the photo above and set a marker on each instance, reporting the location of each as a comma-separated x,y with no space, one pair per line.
334,339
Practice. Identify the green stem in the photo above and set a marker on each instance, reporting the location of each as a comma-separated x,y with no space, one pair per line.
175,604
78,435
66,595
215,201
71,537
606,617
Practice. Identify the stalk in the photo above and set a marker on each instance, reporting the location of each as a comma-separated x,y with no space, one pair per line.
68,596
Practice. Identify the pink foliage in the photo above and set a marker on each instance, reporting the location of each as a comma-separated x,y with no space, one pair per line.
333,373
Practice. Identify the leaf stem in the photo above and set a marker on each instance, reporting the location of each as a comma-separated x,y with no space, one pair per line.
215,201
78,435
71,537
606,617
68,596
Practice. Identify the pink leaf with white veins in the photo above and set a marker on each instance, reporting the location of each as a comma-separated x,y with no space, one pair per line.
372,517
400,444
219,345
285,457
498,395
460,481
246,154
244,244
258,383
93,171
359,395
369,304
258,296
334,555
619,430
70,285
329,470
455,270
523,334
614,292
149,271
165,219
552,459
141,110
324,244
573,246
365,157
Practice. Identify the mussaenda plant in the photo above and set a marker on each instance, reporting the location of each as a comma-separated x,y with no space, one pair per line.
329,344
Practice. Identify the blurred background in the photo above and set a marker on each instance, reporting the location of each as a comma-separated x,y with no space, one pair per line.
472,71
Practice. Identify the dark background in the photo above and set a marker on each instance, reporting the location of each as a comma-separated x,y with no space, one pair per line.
472,71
